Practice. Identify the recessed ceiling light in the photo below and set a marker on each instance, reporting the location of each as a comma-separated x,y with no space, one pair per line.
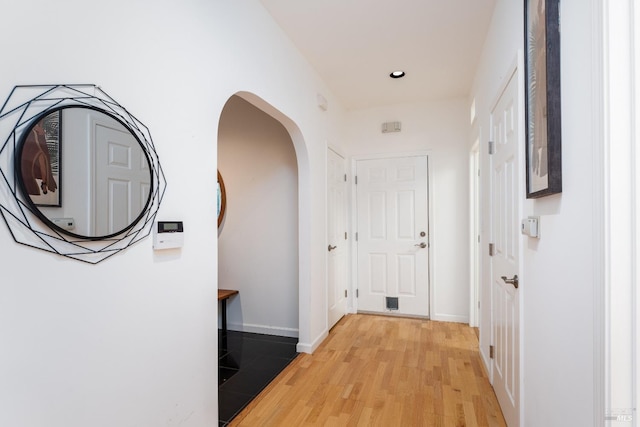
397,74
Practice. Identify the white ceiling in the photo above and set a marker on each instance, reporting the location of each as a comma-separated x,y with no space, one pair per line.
355,44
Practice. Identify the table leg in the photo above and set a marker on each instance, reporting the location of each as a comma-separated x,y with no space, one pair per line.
224,316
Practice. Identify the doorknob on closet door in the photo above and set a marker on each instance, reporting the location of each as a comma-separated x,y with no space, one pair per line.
331,248
513,281
421,245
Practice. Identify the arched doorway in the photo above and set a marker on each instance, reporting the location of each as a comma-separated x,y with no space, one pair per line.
258,239
259,249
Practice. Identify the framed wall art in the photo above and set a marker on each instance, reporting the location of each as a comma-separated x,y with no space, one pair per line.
542,98
40,160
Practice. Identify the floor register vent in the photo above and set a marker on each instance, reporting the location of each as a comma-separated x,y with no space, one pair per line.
392,303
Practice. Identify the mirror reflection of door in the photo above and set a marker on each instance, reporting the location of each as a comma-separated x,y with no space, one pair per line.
122,189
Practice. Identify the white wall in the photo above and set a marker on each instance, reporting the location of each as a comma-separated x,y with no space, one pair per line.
442,129
258,240
559,271
132,341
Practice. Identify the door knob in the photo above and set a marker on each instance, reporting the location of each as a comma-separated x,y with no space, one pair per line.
513,281
421,244
331,248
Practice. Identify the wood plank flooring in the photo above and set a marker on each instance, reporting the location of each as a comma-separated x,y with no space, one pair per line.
382,371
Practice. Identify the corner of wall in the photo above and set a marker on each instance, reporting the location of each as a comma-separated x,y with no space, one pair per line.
311,347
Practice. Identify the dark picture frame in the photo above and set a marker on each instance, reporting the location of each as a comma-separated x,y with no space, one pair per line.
542,98
40,160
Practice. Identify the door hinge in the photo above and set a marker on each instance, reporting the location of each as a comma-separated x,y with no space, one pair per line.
492,147
357,293
345,293
345,235
345,177
356,236
491,249
355,179
491,352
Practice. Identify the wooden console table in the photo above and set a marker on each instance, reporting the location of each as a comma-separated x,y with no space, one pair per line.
223,296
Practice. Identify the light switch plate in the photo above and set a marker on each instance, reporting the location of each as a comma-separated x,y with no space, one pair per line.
531,226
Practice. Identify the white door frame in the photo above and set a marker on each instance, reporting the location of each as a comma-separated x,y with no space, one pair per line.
354,220
617,328
474,234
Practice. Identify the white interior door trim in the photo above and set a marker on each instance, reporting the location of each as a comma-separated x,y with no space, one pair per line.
519,69
354,218
621,215
474,233
600,252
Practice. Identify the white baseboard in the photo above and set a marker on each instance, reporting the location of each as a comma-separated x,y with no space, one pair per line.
310,348
262,329
282,332
450,318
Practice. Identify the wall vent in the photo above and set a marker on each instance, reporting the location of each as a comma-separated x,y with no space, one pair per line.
391,127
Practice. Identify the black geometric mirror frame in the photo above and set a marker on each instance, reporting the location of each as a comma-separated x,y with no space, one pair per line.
23,104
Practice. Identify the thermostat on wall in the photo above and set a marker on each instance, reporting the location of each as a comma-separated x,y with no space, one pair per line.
168,235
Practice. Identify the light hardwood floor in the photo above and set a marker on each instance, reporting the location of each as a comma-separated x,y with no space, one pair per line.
382,371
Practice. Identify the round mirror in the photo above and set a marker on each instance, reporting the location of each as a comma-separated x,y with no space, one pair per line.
222,199
83,172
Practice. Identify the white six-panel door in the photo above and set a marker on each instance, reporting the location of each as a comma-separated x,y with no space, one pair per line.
505,177
123,179
337,237
393,241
